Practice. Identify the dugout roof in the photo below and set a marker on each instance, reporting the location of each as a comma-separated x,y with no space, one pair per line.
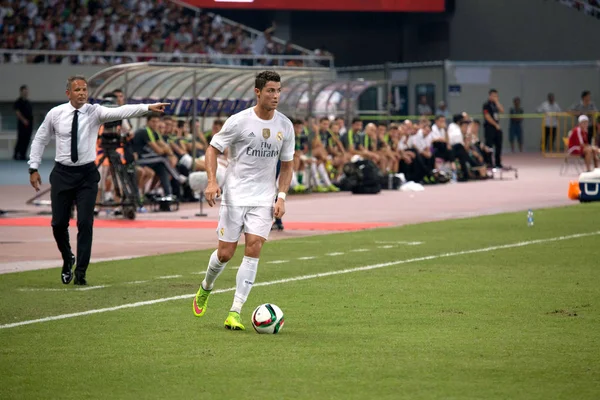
222,90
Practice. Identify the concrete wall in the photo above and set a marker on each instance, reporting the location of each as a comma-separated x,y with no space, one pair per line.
47,82
522,30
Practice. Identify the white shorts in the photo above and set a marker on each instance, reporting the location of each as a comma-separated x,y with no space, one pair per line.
235,220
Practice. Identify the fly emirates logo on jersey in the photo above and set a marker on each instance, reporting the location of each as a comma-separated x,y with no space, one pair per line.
266,149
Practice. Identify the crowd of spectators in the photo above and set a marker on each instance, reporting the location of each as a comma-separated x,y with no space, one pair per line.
129,26
589,7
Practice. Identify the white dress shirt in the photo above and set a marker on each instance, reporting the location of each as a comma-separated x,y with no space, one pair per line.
437,133
58,123
455,135
420,142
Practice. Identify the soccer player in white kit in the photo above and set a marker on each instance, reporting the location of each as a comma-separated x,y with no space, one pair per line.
256,138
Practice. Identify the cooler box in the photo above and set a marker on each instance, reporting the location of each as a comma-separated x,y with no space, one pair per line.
589,184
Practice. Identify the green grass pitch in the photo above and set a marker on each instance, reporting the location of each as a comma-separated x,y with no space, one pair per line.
480,308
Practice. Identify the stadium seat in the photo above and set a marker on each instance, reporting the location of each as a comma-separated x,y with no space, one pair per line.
570,160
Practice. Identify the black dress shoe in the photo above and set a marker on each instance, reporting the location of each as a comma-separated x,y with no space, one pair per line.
66,274
80,281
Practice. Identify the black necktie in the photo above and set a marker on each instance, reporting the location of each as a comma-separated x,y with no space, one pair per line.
74,155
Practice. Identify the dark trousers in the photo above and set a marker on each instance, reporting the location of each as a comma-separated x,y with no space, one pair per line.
23,139
160,165
441,150
493,139
463,158
422,166
77,185
550,137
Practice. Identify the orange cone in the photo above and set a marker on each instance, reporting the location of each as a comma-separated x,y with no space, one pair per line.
574,191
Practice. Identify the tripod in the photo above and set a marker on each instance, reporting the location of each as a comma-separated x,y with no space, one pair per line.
123,176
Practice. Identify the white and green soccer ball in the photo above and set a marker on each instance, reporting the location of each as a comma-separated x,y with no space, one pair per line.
267,318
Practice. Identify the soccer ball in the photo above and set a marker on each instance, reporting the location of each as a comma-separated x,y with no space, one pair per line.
267,318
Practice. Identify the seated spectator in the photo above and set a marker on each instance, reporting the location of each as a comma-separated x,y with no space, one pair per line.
385,150
420,143
484,152
301,158
216,127
456,131
367,146
352,137
439,140
398,145
579,144
323,146
153,152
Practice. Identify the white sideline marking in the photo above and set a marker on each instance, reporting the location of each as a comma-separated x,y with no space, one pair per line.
62,290
168,277
303,278
277,261
400,242
135,282
307,258
387,246
83,289
199,273
332,254
359,250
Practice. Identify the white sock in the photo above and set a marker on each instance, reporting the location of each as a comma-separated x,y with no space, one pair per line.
244,281
294,182
324,175
215,267
314,174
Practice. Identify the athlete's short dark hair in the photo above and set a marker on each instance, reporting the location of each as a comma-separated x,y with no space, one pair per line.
266,76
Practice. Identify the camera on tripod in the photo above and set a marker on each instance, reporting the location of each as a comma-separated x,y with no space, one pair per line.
111,137
123,174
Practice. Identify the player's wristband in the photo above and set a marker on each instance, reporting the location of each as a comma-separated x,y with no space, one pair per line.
281,195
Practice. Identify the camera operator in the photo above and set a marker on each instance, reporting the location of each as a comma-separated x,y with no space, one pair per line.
144,174
152,152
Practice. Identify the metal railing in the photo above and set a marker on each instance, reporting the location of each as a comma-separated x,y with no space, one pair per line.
108,58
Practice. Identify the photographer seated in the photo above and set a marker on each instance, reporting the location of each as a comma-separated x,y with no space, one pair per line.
153,152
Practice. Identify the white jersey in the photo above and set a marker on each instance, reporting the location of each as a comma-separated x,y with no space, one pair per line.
255,145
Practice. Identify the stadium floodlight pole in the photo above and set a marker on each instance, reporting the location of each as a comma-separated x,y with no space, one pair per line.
194,133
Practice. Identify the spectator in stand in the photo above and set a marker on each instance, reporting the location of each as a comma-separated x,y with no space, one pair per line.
579,143
515,131
423,108
550,107
443,110
114,26
585,107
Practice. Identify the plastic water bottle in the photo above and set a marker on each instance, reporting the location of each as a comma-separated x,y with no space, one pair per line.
530,218
454,178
